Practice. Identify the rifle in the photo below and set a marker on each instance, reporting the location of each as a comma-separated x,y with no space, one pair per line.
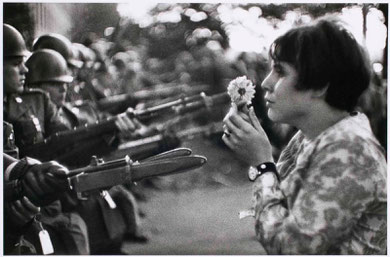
100,175
63,142
149,146
119,103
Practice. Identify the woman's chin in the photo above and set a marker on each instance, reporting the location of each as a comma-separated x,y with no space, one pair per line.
272,116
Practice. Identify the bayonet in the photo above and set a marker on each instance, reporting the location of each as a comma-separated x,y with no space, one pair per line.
102,175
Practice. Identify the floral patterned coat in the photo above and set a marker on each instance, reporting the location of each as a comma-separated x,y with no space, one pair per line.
332,195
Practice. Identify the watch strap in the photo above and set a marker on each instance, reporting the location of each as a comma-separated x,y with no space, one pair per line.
267,167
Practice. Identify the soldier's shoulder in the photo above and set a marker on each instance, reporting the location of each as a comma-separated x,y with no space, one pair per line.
34,91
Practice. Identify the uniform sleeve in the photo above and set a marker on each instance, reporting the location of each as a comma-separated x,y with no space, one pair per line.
53,121
327,200
9,162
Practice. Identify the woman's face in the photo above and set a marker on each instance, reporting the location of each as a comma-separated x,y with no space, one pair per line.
285,103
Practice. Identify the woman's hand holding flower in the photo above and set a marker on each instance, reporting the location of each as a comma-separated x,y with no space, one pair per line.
247,138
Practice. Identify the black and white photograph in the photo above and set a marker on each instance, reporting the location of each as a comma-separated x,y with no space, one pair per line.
194,128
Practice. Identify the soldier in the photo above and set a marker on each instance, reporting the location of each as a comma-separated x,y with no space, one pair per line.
125,72
48,72
92,88
33,116
83,89
107,224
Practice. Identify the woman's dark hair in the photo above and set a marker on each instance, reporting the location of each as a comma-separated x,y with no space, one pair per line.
326,54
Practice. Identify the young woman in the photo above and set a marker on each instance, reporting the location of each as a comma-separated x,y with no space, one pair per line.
327,192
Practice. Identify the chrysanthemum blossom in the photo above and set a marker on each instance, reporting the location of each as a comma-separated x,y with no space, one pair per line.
241,89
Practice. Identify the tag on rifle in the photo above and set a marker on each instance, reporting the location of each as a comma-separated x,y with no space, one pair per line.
47,246
108,199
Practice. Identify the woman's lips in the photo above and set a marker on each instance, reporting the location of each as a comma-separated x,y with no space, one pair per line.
268,102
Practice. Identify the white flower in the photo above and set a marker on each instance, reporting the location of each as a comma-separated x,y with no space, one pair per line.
241,89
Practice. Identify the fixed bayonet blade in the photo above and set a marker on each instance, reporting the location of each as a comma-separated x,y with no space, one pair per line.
166,166
117,172
103,179
169,154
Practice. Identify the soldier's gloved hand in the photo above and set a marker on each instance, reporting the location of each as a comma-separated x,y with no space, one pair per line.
132,127
20,212
144,131
126,125
44,183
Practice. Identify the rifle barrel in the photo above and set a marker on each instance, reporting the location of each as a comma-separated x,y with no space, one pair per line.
121,102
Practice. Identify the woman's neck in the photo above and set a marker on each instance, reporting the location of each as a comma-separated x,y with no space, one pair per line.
319,120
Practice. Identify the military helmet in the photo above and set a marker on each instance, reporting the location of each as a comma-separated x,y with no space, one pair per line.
46,65
59,43
120,59
13,42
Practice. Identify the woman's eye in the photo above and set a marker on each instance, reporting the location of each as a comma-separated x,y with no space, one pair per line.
279,71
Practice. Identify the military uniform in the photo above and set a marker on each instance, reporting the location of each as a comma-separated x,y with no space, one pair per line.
33,117
78,152
68,231
9,147
84,112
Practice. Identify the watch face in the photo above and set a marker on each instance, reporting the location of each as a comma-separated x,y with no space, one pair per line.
252,173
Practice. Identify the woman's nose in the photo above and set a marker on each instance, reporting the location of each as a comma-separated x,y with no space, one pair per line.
267,83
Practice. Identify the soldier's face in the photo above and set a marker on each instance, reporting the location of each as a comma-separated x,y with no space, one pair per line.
14,74
57,91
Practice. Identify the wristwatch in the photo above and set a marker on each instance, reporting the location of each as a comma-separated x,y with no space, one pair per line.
255,172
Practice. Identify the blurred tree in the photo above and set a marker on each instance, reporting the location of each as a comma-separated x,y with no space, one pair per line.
167,38
93,17
385,10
